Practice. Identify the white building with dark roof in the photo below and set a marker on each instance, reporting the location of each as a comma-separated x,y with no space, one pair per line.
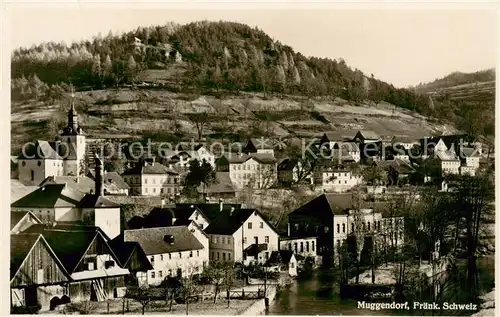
257,170
241,235
41,159
53,203
150,178
172,251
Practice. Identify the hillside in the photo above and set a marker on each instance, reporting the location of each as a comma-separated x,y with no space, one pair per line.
150,81
468,98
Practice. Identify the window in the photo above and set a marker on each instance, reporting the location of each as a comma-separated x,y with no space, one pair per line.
291,265
196,217
32,175
352,227
301,247
160,274
368,226
295,247
170,256
343,228
161,257
249,225
266,239
146,190
154,190
364,226
229,256
153,274
145,180
197,252
39,163
378,224
312,246
244,240
261,225
338,228
218,255
180,255
170,272
152,259
307,246
223,256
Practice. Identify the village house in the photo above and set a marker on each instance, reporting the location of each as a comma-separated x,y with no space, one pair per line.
449,162
302,246
223,188
180,157
331,139
405,142
50,266
259,146
370,144
172,251
150,178
61,157
400,172
60,203
282,261
331,218
113,183
336,178
256,170
241,235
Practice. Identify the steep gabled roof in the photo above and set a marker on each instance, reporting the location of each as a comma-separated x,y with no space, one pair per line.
402,167
228,222
152,239
326,205
279,257
469,152
40,150
17,216
149,169
349,147
20,247
83,184
110,178
96,201
210,211
126,250
50,196
369,135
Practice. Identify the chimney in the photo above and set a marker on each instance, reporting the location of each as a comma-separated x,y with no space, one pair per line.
168,238
99,186
221,204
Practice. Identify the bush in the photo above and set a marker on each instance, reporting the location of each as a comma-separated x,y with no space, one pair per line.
25,310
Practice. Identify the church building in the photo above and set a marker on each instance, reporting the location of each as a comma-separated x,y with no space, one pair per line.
63,157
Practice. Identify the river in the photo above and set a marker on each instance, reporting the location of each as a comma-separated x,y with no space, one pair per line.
314,297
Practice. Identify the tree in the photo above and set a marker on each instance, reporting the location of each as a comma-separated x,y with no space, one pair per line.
131,68
200,173
187,290
107,69
142,295
200,121
215,274
373,175
472,200
229,280
171,286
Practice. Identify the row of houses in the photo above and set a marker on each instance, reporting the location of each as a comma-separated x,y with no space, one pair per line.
83,251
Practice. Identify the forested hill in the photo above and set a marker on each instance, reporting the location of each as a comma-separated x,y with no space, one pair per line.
468,99
457,79
210,58
215,56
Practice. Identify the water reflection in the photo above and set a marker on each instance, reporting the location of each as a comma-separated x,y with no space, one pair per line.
315,296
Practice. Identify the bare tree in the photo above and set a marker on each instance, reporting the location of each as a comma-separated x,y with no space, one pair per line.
200,121
215,273
143,295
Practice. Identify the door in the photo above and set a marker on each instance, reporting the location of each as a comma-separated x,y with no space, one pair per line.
256,239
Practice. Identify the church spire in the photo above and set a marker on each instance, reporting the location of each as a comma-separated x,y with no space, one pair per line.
72,115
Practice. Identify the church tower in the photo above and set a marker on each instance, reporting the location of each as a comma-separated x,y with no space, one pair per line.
73,139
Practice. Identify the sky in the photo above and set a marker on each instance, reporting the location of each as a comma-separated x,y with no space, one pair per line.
402,47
